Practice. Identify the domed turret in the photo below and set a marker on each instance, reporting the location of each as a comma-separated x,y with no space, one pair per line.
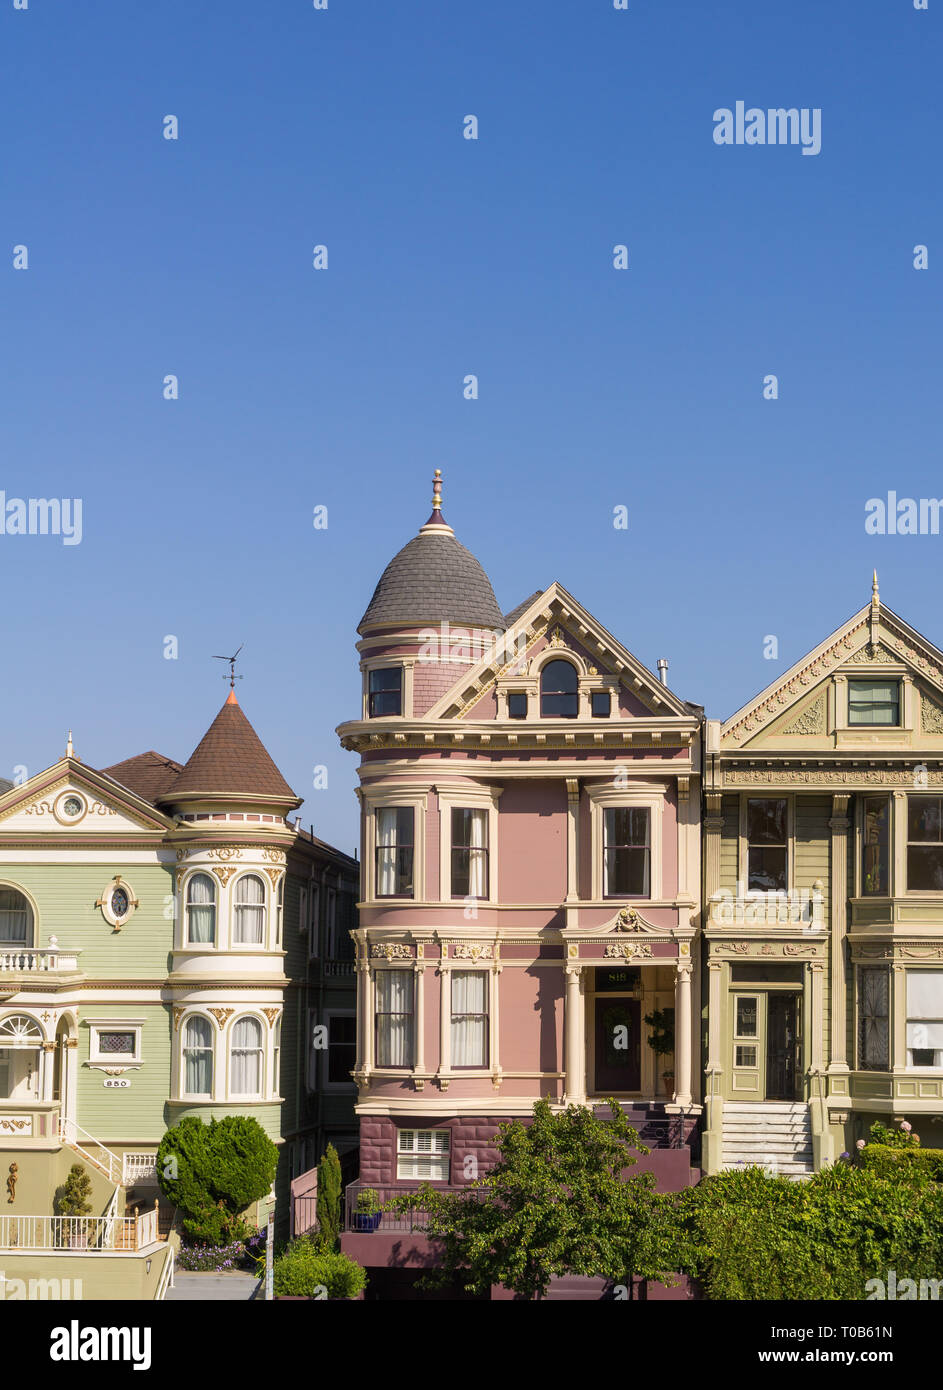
433,579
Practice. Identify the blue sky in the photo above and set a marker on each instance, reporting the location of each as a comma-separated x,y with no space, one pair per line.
597,388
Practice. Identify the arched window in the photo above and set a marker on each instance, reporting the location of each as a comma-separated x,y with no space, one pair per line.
16,918
276,1056
198,1057
245,1071
20,1041
559,691
201,910
250,910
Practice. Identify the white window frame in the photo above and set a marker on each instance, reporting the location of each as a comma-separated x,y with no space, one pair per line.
97,1026
247,1098
267,892
414,1156
406,796
743,858
603,798
471,799
180,1052
385,663
936,1066
217,943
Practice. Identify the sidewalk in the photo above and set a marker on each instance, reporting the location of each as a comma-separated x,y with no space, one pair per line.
232,1288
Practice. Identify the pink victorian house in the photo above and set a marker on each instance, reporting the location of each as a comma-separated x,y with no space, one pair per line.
530,894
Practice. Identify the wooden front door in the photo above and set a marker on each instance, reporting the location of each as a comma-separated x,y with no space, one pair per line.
618,1045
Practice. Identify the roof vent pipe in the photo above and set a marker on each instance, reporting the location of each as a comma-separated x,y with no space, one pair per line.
663,670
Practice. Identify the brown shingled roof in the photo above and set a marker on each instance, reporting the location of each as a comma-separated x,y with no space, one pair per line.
230,759
149,775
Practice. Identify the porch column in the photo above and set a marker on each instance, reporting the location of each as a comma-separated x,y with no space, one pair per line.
445,1017
838,925
683,1078
574,1030
48,1069
816,977
72,1070
713,825
368,1020
419,1007
572,847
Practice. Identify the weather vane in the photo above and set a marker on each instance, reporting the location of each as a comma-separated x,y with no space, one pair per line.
232,666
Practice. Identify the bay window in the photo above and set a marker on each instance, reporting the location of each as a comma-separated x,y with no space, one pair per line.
875,874
394,1018
198,1057
469,1018
924,844
469,852
201,910
873,1018
925,1018
395,831
245,1066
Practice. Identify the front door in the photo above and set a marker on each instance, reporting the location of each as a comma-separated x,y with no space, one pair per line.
782,1046
618,1045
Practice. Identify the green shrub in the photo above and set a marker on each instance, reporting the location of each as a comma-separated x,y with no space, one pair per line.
214,1172
902,1165
753,1236
902,1137
329,1198
305,1270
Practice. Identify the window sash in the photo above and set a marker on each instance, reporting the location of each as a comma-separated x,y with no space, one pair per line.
873,1018
875,847
385,692
249,926
424,1154
395,834
469,1018
874,702
767,844
394,1018
469,852
201,911
627,852
246,1058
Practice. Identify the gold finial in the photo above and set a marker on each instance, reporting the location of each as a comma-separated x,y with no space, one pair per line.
875,595
437,490
69,751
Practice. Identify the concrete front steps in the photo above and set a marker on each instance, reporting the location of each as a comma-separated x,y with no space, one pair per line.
776,1135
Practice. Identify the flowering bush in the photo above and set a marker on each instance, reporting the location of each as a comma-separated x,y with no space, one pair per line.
901,1138
210,1258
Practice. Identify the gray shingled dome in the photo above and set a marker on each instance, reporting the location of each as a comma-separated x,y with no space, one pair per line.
432,578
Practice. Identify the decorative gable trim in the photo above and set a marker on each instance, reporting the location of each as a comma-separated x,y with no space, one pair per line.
557,613
37,797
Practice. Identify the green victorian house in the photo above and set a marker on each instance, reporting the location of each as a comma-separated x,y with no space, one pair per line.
823,872
168,942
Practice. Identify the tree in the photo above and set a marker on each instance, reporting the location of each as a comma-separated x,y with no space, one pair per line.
214,1172
558,1201
73,1198
329,1198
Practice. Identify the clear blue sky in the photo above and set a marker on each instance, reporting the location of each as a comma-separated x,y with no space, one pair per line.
448,257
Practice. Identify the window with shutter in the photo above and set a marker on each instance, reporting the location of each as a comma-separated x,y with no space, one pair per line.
423,1154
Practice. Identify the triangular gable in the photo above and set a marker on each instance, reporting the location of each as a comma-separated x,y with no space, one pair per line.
794,704
557,609
37,805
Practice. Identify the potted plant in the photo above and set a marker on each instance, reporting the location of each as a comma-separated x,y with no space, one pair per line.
366,1217
73,1202
661,1040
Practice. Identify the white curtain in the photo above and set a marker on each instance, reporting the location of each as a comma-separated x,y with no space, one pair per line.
469,1018
925,1011
477,865
250,910
201,909
246,1075
198,1055
15,917
394,1018
386,844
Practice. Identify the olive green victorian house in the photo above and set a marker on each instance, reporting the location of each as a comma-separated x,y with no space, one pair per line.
823,924
168,939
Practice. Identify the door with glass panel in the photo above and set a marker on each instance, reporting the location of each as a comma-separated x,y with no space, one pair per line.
766,1044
